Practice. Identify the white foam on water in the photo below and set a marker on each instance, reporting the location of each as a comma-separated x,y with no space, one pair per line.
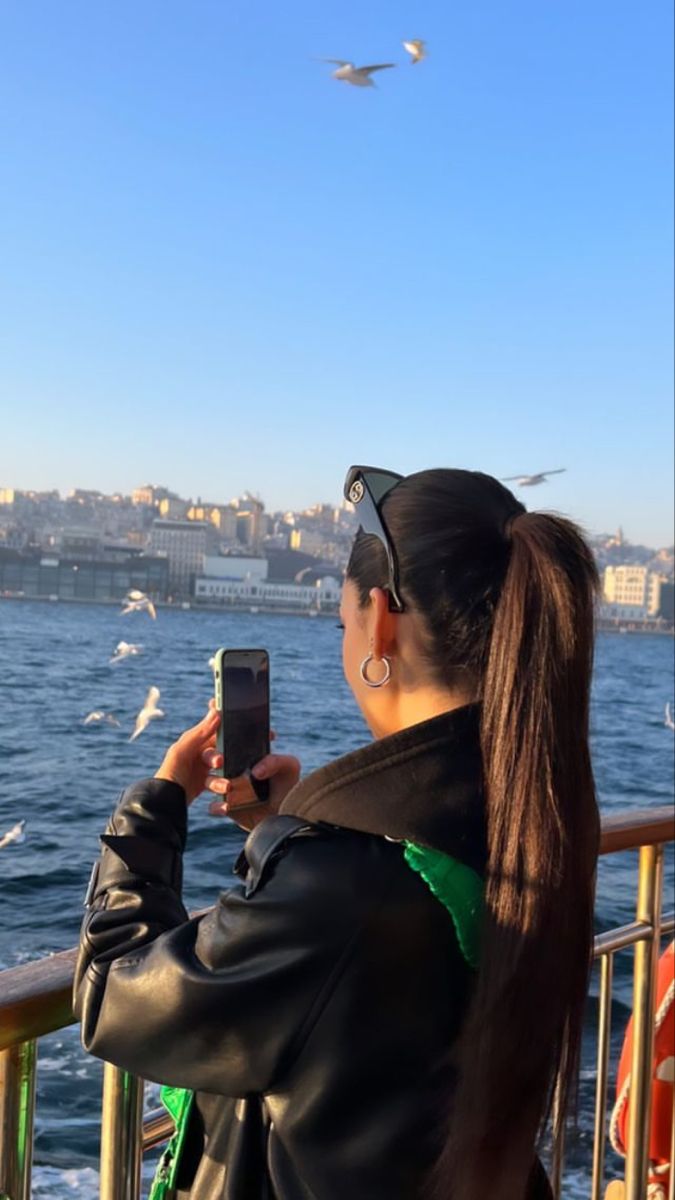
55,1183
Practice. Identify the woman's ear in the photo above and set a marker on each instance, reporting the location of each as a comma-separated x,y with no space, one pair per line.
382,623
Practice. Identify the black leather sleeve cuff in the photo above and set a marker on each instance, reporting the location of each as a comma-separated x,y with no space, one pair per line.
134,860
144,840
155,808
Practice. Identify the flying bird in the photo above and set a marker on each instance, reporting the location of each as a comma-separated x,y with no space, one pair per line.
417,49
136,601
532,480
15,834
98,716
148,712
125,650
358,76
669,722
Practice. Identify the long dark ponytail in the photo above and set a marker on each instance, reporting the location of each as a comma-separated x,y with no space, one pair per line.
505,600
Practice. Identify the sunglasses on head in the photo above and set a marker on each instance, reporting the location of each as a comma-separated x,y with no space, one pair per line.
366,488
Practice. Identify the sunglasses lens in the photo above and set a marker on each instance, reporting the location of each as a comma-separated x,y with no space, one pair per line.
381,482
366,487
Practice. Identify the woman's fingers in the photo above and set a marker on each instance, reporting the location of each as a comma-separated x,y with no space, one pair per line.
218,808
238,791
274,764
211,758
267,768
205,729
217,785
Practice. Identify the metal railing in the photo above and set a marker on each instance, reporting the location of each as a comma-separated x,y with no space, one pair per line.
35,999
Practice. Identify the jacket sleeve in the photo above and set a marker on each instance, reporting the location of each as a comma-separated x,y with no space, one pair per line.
218,1003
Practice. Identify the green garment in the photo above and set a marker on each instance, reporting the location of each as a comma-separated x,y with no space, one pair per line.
178,1103
459,889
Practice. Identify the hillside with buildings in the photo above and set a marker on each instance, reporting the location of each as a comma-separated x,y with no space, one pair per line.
91,546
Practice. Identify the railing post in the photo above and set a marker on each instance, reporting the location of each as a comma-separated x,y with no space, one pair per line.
671,1185
121,1135
650,872
604,1029
17,1109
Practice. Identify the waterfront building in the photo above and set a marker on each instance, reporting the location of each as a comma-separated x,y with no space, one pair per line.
79,542
632,591
235,566
295,597
40,574
184,544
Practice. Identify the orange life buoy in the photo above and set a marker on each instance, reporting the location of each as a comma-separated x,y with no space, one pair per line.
663,1079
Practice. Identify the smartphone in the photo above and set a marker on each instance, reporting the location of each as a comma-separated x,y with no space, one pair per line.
242,682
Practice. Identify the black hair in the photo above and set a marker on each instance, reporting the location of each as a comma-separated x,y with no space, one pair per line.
505,602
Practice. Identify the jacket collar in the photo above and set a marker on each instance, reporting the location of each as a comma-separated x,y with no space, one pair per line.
422,784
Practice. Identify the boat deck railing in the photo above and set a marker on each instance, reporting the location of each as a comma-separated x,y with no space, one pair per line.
35,1000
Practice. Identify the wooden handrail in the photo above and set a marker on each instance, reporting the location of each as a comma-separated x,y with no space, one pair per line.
637,827
36,998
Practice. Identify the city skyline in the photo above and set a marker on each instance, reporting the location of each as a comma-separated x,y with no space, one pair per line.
204,498
226,266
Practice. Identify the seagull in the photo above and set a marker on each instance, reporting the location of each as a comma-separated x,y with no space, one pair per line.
147,713
358,76
669,722
125,650
532,480
138,602
97,716
15,834
417,49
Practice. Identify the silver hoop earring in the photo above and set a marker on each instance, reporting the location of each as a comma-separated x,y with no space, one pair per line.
377,682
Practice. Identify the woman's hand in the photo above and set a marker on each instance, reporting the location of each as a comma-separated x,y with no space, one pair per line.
184,762
189,761
282,771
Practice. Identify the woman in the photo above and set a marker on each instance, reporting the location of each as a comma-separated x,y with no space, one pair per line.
378,1009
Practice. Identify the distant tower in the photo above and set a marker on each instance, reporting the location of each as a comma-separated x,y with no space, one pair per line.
619,536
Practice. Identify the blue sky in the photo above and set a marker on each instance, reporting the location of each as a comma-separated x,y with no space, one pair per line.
220,269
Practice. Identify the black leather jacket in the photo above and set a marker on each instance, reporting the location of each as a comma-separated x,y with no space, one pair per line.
316,1009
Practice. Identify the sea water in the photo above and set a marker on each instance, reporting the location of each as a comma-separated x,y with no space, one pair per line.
64,779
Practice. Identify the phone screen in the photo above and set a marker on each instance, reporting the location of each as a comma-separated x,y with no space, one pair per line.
242,695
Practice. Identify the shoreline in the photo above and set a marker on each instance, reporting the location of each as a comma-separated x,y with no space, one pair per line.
602,625
183,606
